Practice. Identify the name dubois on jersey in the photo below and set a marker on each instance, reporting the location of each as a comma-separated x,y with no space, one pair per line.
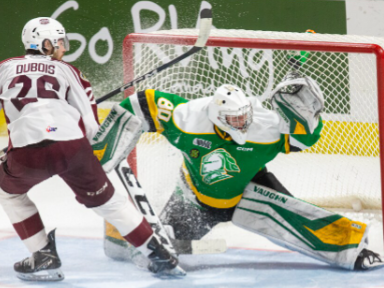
35,67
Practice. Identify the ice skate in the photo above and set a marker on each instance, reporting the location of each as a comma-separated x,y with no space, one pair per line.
162,262
368,260
43,265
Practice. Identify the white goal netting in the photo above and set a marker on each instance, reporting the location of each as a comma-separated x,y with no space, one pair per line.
342,167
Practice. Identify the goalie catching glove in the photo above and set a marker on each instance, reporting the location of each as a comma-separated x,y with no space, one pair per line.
298,101
116,138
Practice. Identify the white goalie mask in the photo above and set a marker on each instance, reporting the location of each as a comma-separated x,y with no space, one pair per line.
39,29
231,111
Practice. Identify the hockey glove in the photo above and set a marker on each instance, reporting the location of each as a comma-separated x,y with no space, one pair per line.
116,138
298,102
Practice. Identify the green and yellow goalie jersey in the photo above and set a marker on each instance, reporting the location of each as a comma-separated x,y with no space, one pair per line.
216,168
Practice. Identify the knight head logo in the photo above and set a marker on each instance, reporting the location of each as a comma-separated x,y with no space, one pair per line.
215,165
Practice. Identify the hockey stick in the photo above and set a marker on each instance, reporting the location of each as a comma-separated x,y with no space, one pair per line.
137,194
295,61
205,27
141,202
132,185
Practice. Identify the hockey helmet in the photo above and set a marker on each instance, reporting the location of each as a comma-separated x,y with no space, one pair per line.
231,111
39,29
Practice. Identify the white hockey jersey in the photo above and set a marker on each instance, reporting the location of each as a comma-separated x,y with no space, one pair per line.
45,99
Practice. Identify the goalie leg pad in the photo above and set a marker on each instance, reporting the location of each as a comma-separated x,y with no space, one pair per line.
116,138
301,226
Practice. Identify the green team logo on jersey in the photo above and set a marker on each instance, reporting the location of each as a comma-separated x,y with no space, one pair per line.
215,165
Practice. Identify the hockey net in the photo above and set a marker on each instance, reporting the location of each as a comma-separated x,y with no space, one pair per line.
343,167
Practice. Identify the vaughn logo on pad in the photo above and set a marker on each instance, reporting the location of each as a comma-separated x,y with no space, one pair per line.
270,195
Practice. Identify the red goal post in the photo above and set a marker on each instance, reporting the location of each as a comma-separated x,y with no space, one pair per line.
349,70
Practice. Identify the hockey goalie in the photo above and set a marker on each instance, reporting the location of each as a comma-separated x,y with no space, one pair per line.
226,141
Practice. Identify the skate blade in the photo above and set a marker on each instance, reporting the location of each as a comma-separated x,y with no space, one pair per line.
175,272
45,275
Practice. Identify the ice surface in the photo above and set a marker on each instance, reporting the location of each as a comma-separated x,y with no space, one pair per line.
250,262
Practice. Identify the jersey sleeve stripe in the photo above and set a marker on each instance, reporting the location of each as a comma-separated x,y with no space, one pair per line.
143,103
11,59
152,109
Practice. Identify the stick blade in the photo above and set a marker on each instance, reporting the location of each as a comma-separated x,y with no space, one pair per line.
205,27
214,246
209,246
206,13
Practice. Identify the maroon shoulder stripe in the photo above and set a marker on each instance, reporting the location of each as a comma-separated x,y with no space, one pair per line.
12,59
73,69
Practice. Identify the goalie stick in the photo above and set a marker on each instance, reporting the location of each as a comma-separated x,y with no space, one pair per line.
175,246
129,180
205,28
209,246
296,61
183,246
138,197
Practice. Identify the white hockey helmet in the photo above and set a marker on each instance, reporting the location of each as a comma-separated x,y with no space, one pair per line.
231,111
39,29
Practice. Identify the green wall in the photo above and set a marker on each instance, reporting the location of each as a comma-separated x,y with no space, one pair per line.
115,17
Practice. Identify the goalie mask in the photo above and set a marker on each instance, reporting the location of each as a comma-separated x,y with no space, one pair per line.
43,28
231,111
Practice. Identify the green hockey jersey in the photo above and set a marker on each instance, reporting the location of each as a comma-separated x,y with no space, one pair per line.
217,169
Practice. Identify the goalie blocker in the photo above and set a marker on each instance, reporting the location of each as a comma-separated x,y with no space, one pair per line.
116,138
